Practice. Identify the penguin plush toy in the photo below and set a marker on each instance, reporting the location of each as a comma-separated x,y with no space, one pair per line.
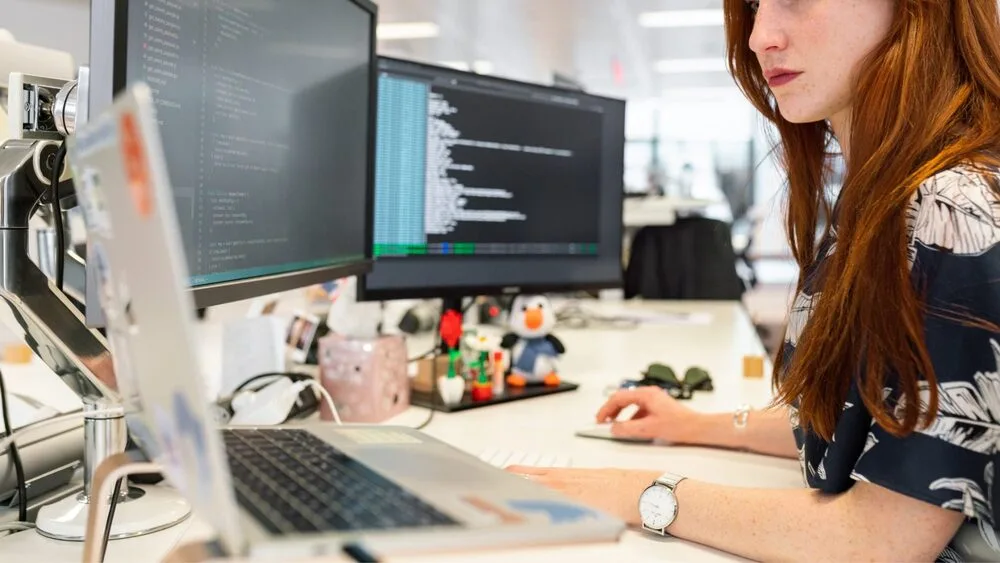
533,348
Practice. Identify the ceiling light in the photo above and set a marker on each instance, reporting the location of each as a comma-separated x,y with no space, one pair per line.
479,67
682,66
483,67
411,30
682,18
457,65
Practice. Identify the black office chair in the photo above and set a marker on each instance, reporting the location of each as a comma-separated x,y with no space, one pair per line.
690,260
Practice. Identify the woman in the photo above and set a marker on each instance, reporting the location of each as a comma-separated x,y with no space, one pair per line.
889,375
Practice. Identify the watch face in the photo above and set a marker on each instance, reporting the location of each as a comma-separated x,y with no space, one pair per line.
657,507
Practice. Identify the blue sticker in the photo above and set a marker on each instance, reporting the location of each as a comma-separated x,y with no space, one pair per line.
192,429
169,454
182,436
557,512
95,212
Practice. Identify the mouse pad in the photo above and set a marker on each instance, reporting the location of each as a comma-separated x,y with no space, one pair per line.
603,432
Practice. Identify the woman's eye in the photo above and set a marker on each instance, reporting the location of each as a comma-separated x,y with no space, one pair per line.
754,5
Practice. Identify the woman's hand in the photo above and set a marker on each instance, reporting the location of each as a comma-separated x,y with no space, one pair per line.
659,416
613,491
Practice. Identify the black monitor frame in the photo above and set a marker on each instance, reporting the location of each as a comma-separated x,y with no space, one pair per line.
458,292
110,45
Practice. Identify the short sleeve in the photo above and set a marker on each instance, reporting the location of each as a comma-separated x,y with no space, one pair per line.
955,260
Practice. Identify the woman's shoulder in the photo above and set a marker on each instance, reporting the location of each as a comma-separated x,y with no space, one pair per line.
957,210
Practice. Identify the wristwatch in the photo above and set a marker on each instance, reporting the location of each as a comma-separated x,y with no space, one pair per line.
658,504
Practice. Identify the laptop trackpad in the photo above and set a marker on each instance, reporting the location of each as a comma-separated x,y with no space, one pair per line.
423,466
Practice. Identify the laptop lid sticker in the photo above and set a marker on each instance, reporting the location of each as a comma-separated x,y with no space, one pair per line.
136,166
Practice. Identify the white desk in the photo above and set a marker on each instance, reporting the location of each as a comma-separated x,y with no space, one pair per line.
594,359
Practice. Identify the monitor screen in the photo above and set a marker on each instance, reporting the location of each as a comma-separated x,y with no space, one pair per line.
266,114
485,185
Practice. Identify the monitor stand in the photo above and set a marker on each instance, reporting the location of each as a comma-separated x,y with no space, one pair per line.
432,399
41,315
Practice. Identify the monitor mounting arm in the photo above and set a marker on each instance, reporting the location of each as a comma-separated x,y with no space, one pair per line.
37,310
30,303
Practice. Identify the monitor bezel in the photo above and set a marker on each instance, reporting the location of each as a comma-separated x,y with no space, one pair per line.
364,293
227,292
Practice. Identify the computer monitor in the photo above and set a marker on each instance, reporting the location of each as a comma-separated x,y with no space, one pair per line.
267,117
487,186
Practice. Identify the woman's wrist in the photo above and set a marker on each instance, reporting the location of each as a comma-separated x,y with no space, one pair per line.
636,483
720,430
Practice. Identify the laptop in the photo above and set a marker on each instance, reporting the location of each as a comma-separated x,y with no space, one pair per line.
309,490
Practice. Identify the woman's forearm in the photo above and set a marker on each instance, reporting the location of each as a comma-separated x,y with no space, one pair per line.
766,432
763,525
866,523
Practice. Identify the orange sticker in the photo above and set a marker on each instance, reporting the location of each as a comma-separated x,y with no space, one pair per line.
136,166
505,516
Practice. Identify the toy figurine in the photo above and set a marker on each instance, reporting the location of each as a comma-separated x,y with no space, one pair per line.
482,385
534,350
478,349
451,386
499,367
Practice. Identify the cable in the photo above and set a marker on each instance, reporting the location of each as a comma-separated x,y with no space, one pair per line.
574,315
11,528
15,456
434,387
472,303
419,357
16,527
295,377
60,251
329,400
14,436
434,393
111,518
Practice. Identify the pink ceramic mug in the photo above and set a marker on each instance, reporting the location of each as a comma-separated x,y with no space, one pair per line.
367,378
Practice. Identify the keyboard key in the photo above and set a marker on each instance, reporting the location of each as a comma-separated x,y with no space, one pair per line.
500,459
506,458
529,460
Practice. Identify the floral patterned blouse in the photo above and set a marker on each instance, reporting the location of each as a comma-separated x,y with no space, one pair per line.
954,252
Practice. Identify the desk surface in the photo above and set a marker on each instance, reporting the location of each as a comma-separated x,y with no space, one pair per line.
717,340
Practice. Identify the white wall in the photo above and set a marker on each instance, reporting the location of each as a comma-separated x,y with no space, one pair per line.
57,24
695,115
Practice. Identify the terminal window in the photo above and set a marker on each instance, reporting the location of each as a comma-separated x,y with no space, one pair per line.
464,171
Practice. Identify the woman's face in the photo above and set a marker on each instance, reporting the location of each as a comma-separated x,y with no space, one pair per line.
812,51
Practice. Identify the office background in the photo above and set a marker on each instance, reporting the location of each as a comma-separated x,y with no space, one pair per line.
690,132
689,136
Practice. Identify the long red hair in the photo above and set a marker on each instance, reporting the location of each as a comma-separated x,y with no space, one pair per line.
928,100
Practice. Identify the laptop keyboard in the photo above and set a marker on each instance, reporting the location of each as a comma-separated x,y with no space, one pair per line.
293,482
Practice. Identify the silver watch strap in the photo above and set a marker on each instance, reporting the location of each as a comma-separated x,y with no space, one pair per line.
670,480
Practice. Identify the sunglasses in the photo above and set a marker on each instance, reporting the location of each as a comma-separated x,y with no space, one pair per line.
660,375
